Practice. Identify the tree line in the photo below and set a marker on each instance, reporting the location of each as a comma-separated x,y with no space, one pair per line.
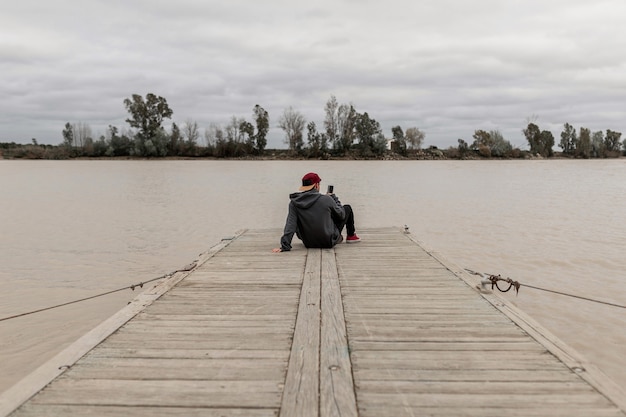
583,144
345,132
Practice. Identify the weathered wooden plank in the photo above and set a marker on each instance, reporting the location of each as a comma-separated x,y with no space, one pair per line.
481,346
33,410
249,329
337,397
237,263
130,341
251,289
167,393
464,302
364,310
284,306
154,352
411,286
502,388
545,401
211,295
360,267
452,365
432,333
174,307
421,325
496,356
430,318
229,337
177,369
282,323
301,393
466,374
155,317
505,410
469,300
219,299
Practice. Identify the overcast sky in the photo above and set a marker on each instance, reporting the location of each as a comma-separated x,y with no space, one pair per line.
448,67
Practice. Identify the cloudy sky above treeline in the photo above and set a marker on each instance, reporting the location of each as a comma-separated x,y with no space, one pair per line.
448,67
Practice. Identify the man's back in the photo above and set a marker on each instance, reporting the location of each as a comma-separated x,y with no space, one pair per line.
313,217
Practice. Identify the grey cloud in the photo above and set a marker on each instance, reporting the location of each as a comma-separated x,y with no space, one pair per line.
446,66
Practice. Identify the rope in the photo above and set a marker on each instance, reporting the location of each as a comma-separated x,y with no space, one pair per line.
494,279
577,296
130,287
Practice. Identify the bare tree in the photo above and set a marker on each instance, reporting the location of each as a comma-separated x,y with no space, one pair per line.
500,146
414,137
190,131
82,132
346,121
331,122
213,134
233,131
597,144
533,118
293,123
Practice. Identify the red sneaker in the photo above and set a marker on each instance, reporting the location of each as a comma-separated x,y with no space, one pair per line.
353,239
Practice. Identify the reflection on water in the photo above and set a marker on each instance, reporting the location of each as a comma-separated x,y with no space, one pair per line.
71,229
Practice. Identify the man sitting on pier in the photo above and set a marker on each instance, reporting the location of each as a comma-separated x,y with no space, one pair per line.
317,219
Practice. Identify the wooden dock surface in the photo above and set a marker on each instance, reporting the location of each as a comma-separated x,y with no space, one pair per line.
379,328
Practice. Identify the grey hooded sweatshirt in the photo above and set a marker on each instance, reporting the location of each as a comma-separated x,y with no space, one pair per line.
313,218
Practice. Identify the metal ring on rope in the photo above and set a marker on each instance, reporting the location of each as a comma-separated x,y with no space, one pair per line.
494,282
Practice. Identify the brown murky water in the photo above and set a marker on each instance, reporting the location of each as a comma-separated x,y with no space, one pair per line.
71,229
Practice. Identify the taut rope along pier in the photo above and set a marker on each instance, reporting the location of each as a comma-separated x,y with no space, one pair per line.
384,327
80,300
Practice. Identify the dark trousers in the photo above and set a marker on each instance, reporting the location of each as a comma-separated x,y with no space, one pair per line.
348,221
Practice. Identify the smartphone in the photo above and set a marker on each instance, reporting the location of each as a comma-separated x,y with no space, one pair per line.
330,189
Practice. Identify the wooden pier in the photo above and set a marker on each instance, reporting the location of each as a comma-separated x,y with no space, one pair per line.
379,328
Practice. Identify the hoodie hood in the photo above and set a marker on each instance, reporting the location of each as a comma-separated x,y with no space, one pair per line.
305,199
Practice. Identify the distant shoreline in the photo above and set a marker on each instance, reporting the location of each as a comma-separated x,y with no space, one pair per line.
431,154
275,158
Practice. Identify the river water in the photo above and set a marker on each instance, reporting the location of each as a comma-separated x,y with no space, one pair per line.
72,229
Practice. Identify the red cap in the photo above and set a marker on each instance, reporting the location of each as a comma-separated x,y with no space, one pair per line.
309,180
